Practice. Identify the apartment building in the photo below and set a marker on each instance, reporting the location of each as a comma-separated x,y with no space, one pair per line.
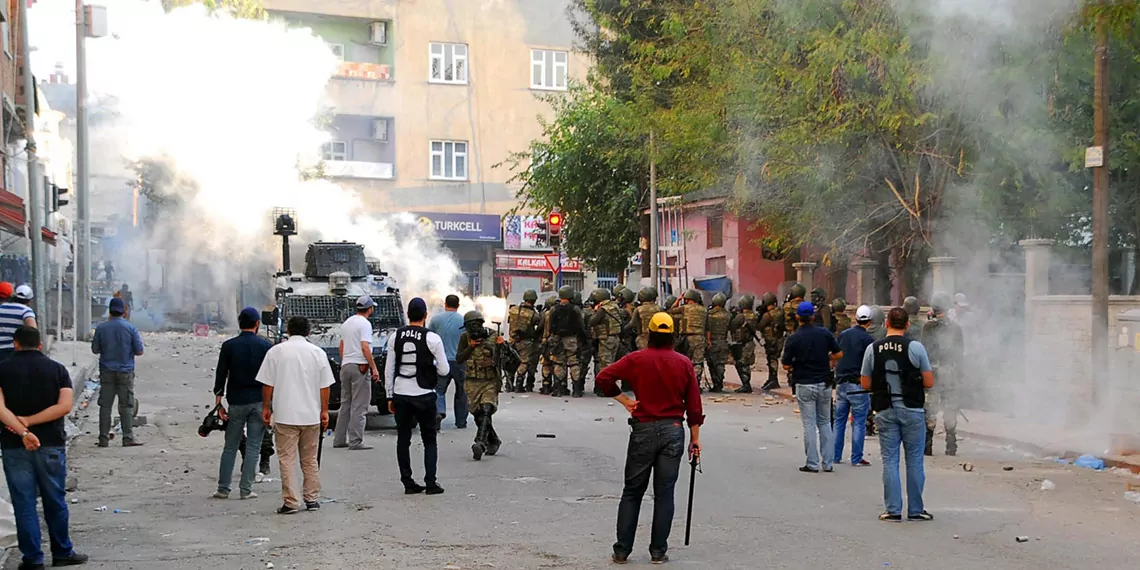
13,218
431,98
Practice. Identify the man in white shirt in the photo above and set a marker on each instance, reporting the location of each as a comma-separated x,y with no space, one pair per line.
297,376
357,371
411,392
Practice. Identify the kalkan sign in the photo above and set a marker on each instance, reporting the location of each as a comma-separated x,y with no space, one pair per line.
515,262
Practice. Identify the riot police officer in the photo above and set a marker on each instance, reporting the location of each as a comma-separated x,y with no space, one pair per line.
717,353
567,332
523,325
791,321
823,317
839,316
606,324
914,323
772,330
945,344
547,365
692,339
646,308
588,350
743,329
486,357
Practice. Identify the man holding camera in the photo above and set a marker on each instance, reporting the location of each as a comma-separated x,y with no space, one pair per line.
357,372
416,360
238,362
481,352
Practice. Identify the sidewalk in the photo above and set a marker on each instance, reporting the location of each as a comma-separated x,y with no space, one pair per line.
1042,440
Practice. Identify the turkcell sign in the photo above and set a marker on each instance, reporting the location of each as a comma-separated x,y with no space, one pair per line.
461,227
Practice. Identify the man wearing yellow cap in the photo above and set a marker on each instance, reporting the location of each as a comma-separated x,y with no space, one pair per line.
666,394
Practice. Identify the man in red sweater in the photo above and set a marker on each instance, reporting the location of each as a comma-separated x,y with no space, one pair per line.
666,392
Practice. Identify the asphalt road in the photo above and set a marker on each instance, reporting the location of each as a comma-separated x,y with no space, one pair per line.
551,503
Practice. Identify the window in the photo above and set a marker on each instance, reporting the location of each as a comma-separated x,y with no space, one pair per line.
448,63
548,69
607,280
335,150
449,160
716,266
715,224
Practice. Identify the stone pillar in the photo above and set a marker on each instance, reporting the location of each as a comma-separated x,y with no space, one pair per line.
942,273
865,282
804,273
1037,255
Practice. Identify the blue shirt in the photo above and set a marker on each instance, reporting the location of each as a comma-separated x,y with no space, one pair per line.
808,352
448,325
12,316
916,353
238,363
117,342
853,342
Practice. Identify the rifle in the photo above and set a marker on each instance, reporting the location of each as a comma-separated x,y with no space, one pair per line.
695,463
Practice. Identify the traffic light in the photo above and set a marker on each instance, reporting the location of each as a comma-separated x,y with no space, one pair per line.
58,197
554,222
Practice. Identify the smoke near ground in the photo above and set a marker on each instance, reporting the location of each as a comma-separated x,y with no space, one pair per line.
226,110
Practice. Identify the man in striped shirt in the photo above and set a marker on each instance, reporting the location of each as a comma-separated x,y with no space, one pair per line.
14,314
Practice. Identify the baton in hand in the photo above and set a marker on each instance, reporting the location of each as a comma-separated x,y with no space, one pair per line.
695,463
320,446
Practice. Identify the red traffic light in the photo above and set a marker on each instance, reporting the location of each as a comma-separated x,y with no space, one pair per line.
554,223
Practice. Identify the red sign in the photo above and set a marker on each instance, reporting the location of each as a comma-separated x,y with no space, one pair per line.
516,262
201,329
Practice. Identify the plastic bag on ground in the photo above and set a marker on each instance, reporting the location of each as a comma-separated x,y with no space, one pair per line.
1089,462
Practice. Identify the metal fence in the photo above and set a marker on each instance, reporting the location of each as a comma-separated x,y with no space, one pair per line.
330,309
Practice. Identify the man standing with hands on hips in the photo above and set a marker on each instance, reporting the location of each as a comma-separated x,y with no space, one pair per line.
357,372
664,384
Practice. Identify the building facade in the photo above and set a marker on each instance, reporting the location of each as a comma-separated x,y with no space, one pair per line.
430,100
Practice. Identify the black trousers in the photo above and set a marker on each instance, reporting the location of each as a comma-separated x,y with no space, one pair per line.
412,411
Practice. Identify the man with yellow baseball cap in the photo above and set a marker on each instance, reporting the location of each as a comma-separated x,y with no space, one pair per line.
666,394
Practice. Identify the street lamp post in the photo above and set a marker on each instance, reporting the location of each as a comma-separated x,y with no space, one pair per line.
90,22
35,181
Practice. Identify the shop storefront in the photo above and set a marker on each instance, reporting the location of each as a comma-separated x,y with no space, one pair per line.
516,272
472,239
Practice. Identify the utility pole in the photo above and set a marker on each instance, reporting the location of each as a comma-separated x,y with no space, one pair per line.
1100,363
654,235
82,289
35,182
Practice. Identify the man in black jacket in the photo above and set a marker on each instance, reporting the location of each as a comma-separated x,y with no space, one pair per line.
238,362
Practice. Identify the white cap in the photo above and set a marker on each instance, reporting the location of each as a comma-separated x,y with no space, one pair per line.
959,299
863,314
24,293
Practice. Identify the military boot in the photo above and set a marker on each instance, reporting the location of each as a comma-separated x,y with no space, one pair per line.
478,447
929,442
493,441
579,388
951,442
530,382
773,380
546,388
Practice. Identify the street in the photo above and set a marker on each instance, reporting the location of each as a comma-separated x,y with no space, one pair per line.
551,503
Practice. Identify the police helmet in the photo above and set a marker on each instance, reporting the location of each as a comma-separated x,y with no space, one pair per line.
769,299
599,295
647,295
746,302
693,295
940,302
576,299
798,291
670,301
628,295
911,305
566,292
838,305
818,294
530,296
719,300
471,317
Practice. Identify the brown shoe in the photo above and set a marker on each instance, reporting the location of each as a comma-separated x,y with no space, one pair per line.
131,443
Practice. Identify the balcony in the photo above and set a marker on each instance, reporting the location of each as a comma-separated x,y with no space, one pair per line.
359,169
361,95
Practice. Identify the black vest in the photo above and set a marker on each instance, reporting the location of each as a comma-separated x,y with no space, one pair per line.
562,321
895,349
425,375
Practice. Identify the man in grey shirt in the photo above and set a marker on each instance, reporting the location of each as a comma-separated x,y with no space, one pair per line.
897,371
449,326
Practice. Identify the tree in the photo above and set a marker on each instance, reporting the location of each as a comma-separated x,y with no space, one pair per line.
248,9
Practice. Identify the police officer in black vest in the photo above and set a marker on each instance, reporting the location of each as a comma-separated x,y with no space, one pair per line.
415,362
897,371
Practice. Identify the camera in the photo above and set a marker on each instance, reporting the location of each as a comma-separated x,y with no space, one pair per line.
212,422
479,333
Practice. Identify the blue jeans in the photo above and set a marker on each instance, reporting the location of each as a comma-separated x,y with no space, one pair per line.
243,419
858,406
459,375
907,427
815,412
44,472
655,448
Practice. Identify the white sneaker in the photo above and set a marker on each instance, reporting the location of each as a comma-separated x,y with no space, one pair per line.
251,495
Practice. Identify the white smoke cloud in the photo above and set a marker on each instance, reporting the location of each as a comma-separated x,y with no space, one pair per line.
231,103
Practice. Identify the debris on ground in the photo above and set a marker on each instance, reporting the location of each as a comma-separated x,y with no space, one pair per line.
779,419
1022,539
122,512
956,537
597,419
258,540
546,436
1048,485
1133,496
1007,468
745,428
101,509
1089,462
968,467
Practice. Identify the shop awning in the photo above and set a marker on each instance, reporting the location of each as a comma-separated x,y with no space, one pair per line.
12,218
48,235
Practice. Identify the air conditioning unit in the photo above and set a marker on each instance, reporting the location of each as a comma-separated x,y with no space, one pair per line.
380,130
379,33
338,50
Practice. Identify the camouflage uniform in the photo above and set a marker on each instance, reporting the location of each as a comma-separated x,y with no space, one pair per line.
772,331
547,365
743,329
482,365
914,323
717,353
567,332
588,352
692,336
791,321
606,325
841,320
524,324
639,324
944,343
822,316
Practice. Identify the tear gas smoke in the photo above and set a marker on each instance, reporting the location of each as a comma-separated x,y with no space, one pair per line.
228,108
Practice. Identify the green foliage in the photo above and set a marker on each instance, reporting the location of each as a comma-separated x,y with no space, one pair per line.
249,9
